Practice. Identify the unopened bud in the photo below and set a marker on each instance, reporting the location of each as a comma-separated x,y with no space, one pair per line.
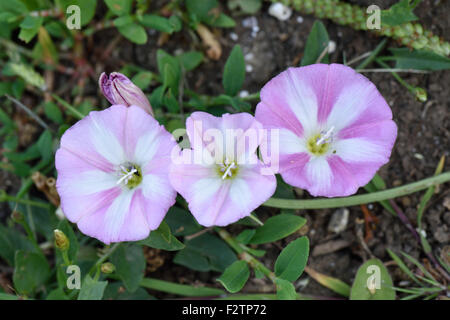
421,94
107,267
61,240
118,89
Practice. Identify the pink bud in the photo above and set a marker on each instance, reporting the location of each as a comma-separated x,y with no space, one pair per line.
118,89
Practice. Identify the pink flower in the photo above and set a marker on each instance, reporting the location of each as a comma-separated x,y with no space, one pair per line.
220,176
335,128
113,174
118,89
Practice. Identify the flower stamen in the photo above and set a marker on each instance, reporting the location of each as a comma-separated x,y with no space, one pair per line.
325,136
228,168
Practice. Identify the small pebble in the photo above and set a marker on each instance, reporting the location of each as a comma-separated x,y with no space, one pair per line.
249,56
234,36
339,220
300,19
248,68
447,203
331,46
280,11
243,94
249,22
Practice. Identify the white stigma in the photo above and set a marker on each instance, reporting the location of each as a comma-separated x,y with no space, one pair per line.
226,168
325,136
126,174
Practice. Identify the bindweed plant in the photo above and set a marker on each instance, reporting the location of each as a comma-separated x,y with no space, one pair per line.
166,171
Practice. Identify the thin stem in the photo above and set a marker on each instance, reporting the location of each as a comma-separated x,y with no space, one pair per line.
359,199
5,197
392,70
28,111
372,54
65,257
251,97
255,218
104,257
244,255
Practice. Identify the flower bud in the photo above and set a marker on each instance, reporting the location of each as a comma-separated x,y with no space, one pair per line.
421,94
118,89
61,240
107,267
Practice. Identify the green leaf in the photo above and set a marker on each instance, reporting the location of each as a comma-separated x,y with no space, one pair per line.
211,253
57,294
27,73
181,222
201,9
10,241
190,60
162,238
119,7
192,259
399,13
13,6
44,145
171,102
5,296
176,23
292,260
123,21
134,32
419,59
29,28
245,236
169,68
142,79
53,113
116,291
31,271
247,6
372,282
234,72
235,276
277,227
130,265
91,289
285,290
157,22
317,42
222,21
